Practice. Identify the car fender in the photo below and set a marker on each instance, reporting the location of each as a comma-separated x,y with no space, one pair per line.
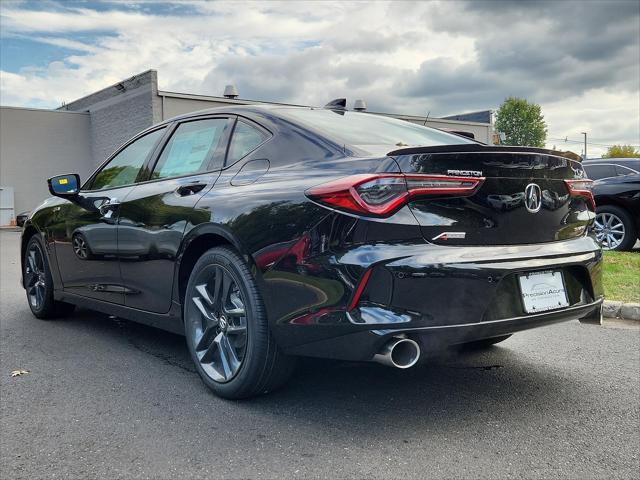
222,231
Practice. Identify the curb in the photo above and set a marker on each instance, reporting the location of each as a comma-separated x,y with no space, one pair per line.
626,311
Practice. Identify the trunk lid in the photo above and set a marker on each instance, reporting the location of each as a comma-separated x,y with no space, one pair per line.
498,213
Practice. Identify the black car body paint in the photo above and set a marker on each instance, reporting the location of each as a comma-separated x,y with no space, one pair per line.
310,260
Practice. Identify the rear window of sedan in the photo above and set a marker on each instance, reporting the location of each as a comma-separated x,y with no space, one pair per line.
356,128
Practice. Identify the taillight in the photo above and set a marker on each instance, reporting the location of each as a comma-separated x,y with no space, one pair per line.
582,188
441,185
382,194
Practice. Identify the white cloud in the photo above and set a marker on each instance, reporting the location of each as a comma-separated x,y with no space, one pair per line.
607,117
412,57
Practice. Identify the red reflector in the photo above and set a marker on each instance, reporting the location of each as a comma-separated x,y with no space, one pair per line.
383,194
582,188
359,289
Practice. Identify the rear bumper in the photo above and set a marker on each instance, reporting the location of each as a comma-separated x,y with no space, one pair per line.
437,295
361,346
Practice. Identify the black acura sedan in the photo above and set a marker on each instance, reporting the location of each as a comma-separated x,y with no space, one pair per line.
266,233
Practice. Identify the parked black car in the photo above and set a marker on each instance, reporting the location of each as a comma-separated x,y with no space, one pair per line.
617,194
265,233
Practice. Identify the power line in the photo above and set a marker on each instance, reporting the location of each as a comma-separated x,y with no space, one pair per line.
562,137
581,142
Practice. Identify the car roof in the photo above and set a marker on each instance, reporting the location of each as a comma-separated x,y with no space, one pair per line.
236,109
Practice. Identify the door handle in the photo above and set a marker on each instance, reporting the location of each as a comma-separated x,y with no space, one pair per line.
189,189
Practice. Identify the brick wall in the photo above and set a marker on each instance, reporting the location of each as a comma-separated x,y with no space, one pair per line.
119,112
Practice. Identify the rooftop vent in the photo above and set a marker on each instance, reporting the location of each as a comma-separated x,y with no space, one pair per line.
230,91
359,105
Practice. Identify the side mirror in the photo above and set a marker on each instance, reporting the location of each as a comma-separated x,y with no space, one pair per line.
64,185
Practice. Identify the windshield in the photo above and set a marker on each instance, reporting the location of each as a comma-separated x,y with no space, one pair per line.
356,128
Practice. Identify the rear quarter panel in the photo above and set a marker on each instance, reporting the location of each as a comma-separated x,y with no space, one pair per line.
276,227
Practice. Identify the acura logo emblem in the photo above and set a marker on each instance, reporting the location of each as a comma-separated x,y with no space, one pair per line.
533,198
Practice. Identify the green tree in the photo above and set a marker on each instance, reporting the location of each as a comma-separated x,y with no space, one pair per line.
622,151
521,122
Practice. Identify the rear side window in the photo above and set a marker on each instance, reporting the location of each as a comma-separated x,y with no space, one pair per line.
596,172
191,148
245,139
621,170
123,169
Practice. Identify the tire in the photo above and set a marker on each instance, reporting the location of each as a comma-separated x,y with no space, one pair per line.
81,247
484,343
38,283
614,228
226,327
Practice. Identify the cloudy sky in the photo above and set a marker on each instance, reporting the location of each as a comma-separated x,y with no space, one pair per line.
580,61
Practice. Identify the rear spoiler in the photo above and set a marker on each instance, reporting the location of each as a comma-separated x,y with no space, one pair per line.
479,148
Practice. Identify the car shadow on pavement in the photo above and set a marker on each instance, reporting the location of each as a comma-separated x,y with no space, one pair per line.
453,386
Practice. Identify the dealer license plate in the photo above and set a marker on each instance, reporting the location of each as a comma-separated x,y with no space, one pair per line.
543,291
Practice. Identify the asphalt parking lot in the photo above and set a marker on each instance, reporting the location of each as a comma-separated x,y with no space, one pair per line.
109,398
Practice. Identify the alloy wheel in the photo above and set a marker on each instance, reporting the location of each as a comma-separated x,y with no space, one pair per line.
80,247
217,323
609,230
35,277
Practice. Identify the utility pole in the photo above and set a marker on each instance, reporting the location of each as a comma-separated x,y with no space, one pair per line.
585,146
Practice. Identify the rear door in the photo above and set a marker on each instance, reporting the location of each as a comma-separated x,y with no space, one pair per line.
523,198
155,214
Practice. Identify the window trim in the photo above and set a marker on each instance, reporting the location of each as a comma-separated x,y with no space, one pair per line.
161,140
144,176
219,152
251,123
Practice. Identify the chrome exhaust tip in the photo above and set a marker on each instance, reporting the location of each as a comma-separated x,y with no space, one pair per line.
399,353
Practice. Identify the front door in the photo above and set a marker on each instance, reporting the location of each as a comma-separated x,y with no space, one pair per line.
154,216
86,239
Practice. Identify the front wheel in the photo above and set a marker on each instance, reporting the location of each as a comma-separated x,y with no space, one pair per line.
227,331
39,284
81,247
